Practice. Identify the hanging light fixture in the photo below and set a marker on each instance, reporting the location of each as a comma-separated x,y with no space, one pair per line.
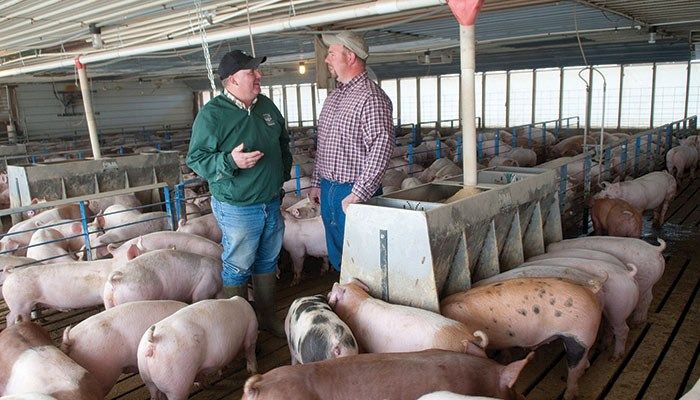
96,33
652,35
302,68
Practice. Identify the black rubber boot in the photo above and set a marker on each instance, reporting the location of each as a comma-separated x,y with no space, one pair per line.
239,290
264,293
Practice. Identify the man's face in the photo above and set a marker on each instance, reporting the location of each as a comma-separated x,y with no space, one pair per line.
247,82
337,60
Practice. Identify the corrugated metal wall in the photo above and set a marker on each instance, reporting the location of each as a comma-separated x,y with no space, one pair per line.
4,110
128,106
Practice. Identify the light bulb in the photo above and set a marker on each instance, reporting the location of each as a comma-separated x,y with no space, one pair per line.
302,68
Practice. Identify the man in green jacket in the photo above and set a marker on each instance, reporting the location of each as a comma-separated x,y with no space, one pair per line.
240,146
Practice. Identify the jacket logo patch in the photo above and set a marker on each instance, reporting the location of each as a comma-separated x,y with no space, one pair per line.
268,119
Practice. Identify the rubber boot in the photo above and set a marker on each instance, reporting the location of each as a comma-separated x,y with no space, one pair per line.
264,293
238,290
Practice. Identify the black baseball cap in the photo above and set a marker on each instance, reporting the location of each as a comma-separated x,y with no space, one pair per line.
236,60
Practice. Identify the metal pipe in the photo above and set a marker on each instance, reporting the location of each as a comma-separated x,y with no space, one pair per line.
687,91
653,94
354,12
87,103
467,38
11,133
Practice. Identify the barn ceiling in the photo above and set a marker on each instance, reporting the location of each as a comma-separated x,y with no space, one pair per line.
144,39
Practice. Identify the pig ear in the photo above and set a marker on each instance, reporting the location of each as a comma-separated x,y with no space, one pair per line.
360,284
336,351
132,252
100,220
511,371
116,276
181,223
335,294
111,247
76,227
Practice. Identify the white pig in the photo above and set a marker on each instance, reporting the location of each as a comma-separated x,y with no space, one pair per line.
198,339
164,275
61,286
647,258
106,343
380,327
204,226
167,240
304,237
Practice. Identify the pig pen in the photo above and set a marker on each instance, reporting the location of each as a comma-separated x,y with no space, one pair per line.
661,361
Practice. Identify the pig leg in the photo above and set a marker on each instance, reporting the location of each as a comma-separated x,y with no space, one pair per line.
639,316
577,361
325,266
620,330
251,338
297,266
23,310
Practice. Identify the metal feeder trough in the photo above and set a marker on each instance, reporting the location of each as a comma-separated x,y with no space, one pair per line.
411,247
74,178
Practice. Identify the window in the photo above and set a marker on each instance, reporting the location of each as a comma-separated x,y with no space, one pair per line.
547,95
574,94
389,87
277,98
669,94
409,101
307,112
694,89
636,96
612,96
495,99
449,99
520,105
292,105
428,101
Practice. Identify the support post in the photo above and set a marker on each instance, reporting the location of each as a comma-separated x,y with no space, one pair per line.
87,103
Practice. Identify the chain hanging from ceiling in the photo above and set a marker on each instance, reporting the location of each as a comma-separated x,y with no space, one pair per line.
205,43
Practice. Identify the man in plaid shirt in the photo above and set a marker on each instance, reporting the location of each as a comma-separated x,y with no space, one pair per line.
355,138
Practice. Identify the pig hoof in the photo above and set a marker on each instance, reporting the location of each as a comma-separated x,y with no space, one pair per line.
295,282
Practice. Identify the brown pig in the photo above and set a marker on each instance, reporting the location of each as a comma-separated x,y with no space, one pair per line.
380,327
615,217
394,376
528,312
30,363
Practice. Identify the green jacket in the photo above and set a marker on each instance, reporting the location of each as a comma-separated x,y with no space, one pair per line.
219,127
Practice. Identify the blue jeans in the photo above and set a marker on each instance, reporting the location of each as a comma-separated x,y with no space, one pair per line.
252,239
333,216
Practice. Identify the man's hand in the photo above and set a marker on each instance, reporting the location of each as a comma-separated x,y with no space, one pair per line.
350,199
245,160
315,195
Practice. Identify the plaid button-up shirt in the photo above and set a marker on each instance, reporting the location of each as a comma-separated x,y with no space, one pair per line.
355,136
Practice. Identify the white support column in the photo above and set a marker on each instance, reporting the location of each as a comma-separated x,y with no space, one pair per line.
653,95
87,104
619,100
468,67
507,98
561,92
687,91
534,96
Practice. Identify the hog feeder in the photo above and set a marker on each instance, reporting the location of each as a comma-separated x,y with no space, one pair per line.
413,247
66,179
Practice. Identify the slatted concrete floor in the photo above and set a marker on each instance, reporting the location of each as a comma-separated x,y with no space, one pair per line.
662,355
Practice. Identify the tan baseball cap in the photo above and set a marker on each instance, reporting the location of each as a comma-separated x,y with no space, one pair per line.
351,40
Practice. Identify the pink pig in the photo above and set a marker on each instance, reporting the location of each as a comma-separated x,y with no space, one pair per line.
380,327
62,286
391,376
164,275
196,340
167,240
30,363
204,226
106,343
647,258
529,312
